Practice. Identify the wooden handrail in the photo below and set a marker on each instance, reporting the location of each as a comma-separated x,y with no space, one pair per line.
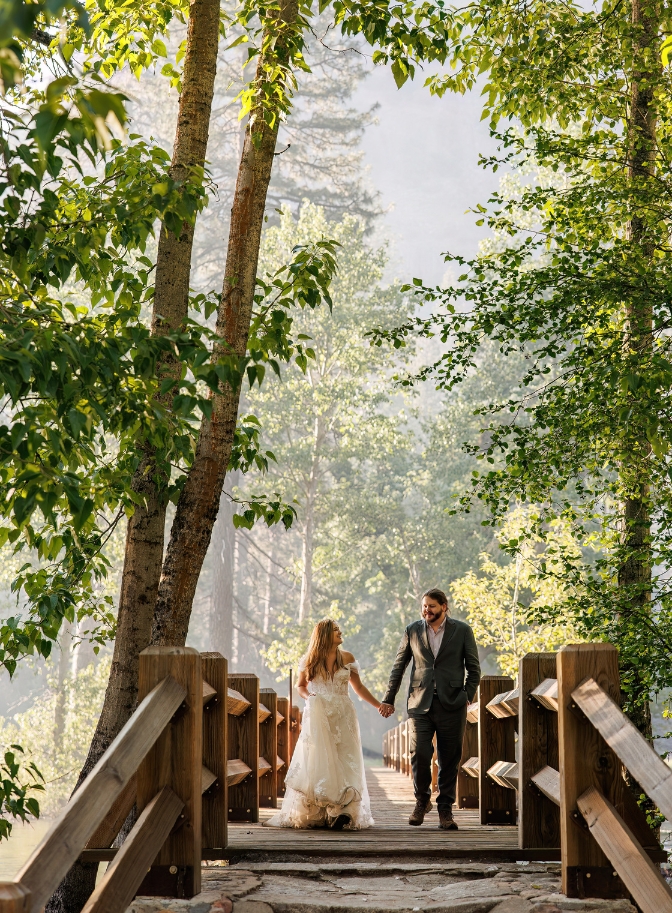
634,752
631,862
504,704
129,866
87,808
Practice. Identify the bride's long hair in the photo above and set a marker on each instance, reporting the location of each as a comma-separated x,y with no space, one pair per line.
318,649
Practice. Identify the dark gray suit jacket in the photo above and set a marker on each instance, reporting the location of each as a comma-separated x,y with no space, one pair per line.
457,655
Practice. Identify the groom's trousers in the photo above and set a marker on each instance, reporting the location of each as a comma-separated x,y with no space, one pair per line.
448,725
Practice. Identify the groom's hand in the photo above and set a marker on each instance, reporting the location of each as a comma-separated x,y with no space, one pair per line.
386,710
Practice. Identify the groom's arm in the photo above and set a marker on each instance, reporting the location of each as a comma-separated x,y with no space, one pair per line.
404,654
471,663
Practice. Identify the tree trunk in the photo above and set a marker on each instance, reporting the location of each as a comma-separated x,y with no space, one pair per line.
635,572
198,503
145,533
224,541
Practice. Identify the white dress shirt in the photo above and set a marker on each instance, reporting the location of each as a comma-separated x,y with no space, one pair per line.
435,637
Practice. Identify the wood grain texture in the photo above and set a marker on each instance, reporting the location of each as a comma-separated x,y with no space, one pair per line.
640,876
472,712
176,759
505,704
467,780
263,768
237,704
207,778
472,767
215,749
236,771
268,748
110,827
76,824
538,816
496,742
208,691
14,898
546,692
585,760
505,773
129,867
547,780
244,746
634,752
264,712
283,743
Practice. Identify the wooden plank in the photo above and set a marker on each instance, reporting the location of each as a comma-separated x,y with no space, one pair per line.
264,712
283,744
279,763
472,767
215,749
648,769
263,767
585,761
111,825
79,820
236,771
175,761
268,748
496,742
207,778
472,712
14,898
640,876
126,872
505,773
546,692
244,746
236,703
504,705
547,781
208,692
278,717
467,782
538,816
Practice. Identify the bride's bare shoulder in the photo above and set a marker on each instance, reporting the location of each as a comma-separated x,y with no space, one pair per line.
347,657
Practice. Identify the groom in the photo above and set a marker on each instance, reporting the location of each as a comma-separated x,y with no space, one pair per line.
444,677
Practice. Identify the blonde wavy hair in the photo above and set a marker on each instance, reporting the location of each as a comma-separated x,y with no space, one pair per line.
318,649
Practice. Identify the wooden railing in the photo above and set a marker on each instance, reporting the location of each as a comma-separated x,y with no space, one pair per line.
553,754
189,760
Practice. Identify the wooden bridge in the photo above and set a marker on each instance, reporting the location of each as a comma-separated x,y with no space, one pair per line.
204,757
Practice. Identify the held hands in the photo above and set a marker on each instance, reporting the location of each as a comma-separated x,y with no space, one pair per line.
386,710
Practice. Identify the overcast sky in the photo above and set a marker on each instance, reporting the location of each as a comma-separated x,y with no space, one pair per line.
423,157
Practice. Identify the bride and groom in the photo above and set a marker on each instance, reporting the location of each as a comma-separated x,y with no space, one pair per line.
326,783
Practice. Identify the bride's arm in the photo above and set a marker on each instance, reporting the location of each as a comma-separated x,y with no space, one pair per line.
302,686
360,689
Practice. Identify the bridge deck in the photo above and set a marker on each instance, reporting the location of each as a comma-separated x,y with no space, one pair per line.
391,802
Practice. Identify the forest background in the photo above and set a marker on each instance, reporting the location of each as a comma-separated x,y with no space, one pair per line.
373,468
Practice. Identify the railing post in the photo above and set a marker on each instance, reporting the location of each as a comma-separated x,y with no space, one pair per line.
585,760
215,751
14,898
175,761
244,745
268,749
283,744
467,787
539,818
496,742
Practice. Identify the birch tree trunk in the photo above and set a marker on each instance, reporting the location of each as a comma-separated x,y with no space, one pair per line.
199,499
145,532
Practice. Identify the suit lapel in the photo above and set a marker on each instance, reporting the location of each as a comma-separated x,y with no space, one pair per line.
449,630
424,639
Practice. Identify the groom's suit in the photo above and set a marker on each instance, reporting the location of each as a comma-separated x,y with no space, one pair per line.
439,690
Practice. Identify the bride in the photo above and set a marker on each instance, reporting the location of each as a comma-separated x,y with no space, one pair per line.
325,783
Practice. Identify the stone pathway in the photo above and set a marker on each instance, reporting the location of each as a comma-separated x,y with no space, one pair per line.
378,886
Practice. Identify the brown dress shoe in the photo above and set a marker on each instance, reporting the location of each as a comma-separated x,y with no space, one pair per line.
419,812
446,821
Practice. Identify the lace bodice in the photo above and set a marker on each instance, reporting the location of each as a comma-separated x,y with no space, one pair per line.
329,687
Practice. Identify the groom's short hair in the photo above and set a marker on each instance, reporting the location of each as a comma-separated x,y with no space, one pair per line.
437,595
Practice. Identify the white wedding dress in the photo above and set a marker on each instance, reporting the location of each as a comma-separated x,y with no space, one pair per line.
326,775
